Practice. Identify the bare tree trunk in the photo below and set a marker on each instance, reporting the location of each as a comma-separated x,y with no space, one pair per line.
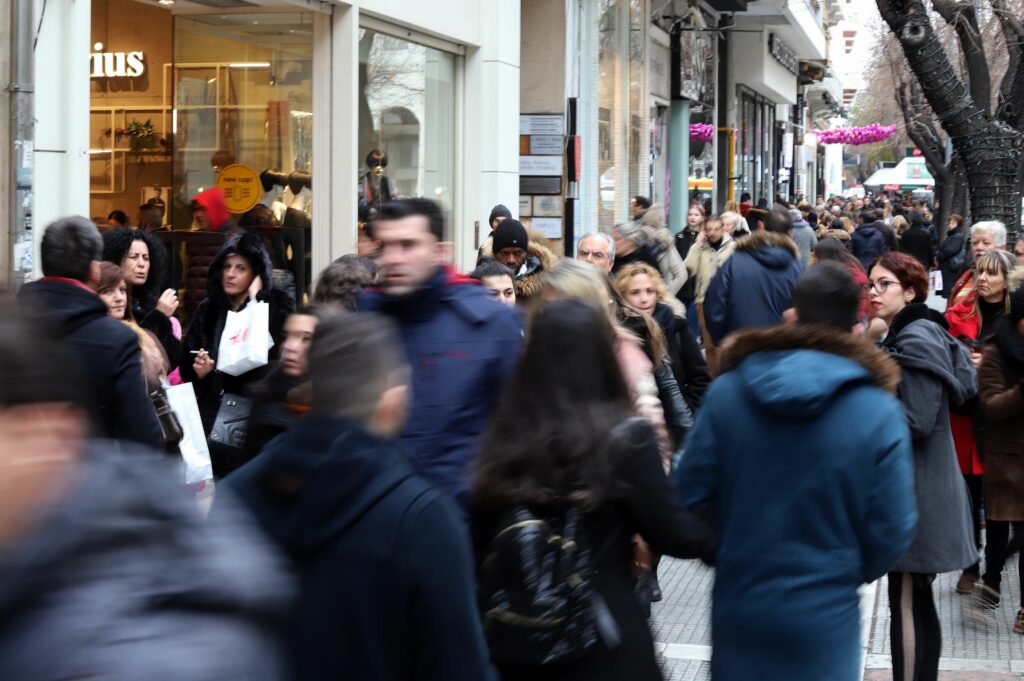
989,149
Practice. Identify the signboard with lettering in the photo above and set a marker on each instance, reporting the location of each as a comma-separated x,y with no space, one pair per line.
547,206
525,206
783,54
241,187
541,124
549,227
540,185
540,165
116,64
546,145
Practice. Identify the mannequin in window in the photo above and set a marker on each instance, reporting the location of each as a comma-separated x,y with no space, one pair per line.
301,185
374,186
274,181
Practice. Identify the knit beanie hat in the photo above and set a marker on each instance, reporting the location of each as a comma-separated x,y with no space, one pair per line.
510,234
499,211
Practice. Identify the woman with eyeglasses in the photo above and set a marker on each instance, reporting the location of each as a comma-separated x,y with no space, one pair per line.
936,371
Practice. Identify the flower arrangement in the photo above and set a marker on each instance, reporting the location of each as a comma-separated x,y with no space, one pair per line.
702,132
866,134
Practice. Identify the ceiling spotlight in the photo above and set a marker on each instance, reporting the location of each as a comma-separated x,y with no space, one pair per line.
165,3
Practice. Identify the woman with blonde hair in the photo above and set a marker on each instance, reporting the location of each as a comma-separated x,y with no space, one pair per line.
642,287
900,225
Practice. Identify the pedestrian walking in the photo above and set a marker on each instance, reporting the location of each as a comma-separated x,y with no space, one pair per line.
986,237
684,242
1001,393
806,509
497,280
143,259
384,564
950,255
936,373
460,344
974,323
917,241
528,258
592,474
642,287
867,241
597,248
340,282
803,234
755,285
109,571
712,248
239,275
670,265
632,244
69,308
833,250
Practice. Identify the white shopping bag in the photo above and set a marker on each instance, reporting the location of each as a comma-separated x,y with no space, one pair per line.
935,280
194,451
246,340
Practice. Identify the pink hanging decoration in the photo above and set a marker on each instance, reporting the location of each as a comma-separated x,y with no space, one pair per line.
702,132
866,134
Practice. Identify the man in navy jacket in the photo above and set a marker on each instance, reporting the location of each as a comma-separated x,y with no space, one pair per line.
460,344
108,350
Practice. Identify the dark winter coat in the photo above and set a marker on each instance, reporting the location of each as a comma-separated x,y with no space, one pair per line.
916,241
688,365
1001,393
279,403
684,242
122,579
754,287
951,259
641,254
461,346
539,260
109,355
802,516
207,326
382,557
641,501
936,373
868,243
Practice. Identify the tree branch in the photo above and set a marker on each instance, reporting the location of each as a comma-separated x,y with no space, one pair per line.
1011,88
964,20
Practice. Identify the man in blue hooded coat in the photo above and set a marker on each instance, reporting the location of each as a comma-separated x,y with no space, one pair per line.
802,457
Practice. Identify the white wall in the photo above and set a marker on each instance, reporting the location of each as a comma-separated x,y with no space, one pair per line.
61,178
754,67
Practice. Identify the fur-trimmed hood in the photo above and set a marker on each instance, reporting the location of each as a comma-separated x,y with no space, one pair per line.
762,239
875,364
529,284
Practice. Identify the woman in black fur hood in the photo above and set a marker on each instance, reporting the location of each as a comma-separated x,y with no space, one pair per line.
143,259
241,272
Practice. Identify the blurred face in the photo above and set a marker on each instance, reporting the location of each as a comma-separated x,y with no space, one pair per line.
713,230
641,293
497,221
408,255
116,299
1018,252
982,242
694,218
991,286
136,263
298,335
238,276
200,218
623,246
511,257
594,250
886,296
500,289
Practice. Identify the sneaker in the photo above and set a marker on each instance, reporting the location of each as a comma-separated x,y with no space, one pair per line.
966,583
655,589
985,596
1018,625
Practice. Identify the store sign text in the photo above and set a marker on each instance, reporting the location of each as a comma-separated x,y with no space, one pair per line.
116,64
783,54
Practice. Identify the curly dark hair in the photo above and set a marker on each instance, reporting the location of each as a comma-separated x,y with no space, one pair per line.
116,245
340,281
546,442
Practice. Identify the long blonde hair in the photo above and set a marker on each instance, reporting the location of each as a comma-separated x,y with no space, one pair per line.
900,225
625,277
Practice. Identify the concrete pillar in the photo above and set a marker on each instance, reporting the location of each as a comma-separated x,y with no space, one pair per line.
679,163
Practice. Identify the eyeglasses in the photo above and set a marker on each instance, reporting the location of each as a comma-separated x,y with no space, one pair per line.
881,285
598,255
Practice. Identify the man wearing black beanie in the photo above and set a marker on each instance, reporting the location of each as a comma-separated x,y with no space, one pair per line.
511,246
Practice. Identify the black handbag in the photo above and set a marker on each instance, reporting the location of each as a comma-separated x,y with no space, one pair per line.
169,424
227,437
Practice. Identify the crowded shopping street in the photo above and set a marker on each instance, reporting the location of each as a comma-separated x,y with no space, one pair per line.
488,340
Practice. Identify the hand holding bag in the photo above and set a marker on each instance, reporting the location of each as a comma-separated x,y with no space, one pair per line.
193,448
246,339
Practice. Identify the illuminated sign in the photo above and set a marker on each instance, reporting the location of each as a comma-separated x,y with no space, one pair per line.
116,64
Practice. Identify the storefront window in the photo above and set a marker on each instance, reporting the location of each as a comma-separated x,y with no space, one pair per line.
622,109
755,148
243,96
406,122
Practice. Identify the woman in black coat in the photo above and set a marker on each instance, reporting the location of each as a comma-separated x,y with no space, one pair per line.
950,255
563,439
143,259
240,273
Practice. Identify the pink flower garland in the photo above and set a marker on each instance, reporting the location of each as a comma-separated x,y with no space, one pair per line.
867,134
702,132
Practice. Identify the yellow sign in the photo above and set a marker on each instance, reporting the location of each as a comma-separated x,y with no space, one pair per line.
241,187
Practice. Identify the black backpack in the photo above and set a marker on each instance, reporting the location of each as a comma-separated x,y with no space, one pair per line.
535,588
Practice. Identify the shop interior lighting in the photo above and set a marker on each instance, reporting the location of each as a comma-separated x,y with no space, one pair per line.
251,65
165,3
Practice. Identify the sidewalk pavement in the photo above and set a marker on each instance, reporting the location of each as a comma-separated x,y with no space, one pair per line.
976,646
